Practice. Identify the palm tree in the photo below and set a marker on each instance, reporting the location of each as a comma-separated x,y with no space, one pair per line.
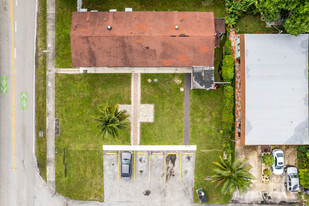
233,175
111,121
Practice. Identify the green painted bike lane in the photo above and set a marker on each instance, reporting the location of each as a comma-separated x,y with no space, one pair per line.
24,100
3,84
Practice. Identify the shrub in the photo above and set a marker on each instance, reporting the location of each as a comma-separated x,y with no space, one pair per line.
228,47
268,160
228,115
228,120
228,92
227,148
228,68
267,172
304,177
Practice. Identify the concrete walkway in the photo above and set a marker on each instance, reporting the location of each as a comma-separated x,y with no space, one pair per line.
50,94
129,70
187,109
135,101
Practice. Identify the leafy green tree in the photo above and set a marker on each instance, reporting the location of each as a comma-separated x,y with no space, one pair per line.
110,121
234,10
233,175
304,177
295,13
228,68
268,159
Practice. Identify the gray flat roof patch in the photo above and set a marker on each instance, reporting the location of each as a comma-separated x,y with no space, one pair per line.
276,89
203,77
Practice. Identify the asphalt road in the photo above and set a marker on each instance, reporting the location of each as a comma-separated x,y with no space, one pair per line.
17,185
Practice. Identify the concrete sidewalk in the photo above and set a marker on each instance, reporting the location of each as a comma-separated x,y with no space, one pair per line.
102,70
50,94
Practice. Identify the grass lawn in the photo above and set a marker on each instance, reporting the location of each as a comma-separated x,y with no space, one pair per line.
217,6
168,100
307,198
205,119
251,24
64,9
77,100
40,89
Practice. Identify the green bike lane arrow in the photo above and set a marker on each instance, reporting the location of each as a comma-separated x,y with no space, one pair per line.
24,100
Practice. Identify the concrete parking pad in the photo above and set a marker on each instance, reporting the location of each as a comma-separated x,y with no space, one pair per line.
275,188
161,176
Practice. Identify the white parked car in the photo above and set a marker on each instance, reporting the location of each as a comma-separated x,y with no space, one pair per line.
292,180
278,165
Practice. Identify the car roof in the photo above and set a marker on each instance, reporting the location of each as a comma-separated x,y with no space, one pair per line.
291,170
125,168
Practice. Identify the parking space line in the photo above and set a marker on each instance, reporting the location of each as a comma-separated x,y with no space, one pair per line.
149,165
110,153
157,153
144,153
165,166
172,153
188,153
134,165
180,166
118,163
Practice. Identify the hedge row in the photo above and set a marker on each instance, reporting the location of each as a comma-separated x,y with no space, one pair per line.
228,112
228,68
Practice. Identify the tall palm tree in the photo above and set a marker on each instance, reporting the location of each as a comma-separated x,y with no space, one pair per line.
111,121
233,175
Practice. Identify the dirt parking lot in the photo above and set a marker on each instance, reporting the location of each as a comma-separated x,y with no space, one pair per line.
157,177
275,188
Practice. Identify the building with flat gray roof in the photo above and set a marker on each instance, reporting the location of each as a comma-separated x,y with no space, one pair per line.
274,89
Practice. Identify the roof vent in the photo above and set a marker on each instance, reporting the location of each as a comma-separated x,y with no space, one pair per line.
176,27
109,27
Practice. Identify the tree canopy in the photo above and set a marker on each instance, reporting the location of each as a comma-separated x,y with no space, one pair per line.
233,175
110,121
295,13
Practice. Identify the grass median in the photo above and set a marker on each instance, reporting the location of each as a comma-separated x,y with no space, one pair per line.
40,89
77,100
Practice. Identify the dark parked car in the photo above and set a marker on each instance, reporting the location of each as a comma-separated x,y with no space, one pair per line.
201,195
126,159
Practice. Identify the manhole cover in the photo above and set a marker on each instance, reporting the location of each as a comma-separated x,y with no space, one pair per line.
146,192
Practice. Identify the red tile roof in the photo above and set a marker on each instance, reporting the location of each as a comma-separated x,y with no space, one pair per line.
142,39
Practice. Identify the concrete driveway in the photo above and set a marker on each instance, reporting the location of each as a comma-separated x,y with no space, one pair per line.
157,177
275,188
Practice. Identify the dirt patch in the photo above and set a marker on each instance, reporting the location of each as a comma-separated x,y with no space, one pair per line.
170,164
94,101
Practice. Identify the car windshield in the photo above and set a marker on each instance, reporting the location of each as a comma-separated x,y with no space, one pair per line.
294,175
125,161
279,155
